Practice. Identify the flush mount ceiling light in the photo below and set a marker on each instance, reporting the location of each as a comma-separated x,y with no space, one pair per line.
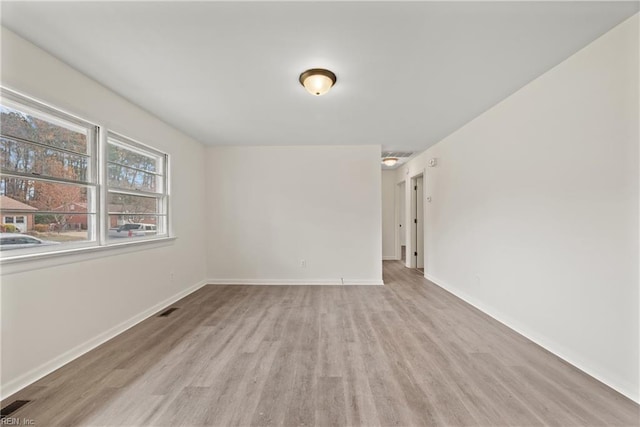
317,81
390,161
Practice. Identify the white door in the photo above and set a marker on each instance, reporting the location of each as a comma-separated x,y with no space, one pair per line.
401,225
19,221
420,224
416,251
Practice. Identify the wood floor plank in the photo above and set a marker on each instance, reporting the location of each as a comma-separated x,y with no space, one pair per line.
300,410
407,353
330,407
251,390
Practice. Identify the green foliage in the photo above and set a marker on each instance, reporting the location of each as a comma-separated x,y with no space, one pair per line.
45,219
8,228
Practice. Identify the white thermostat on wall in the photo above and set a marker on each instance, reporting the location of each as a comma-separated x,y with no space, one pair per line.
433,162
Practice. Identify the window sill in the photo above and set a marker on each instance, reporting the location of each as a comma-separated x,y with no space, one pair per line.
28,262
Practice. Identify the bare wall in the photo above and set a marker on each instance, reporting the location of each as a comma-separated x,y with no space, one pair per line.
294,215
534,217
54,310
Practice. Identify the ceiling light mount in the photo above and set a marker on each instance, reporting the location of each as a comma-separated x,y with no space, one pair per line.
390,161
317,81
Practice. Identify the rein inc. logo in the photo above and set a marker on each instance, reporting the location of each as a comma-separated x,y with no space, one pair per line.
15,421
6,420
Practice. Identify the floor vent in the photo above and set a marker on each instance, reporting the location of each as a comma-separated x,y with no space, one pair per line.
167,312
12,407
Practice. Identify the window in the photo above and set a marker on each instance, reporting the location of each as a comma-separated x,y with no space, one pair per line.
137,196
74,191
48,162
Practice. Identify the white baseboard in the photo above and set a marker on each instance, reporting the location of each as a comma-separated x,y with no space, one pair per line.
364,282
625,389
46,368
293,282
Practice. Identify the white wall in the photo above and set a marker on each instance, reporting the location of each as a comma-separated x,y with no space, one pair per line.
534,216
269,208
53,310
389,215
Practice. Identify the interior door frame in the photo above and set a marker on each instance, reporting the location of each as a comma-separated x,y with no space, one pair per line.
412,242
400,198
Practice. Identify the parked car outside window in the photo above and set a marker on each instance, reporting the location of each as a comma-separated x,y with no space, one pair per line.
133,230
18,241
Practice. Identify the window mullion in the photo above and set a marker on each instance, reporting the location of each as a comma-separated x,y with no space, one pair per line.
43,178
139,193
103,222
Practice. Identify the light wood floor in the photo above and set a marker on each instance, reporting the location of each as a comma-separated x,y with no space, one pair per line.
405,354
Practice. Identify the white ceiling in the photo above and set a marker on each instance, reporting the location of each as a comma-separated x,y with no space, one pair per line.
408,73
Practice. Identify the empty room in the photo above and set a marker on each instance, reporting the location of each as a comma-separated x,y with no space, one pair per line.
329,213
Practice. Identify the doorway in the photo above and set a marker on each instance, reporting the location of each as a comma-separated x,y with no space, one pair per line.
401,221
417,227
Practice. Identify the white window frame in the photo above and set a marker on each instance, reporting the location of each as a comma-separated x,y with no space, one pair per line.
96,183
162,196
58,117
